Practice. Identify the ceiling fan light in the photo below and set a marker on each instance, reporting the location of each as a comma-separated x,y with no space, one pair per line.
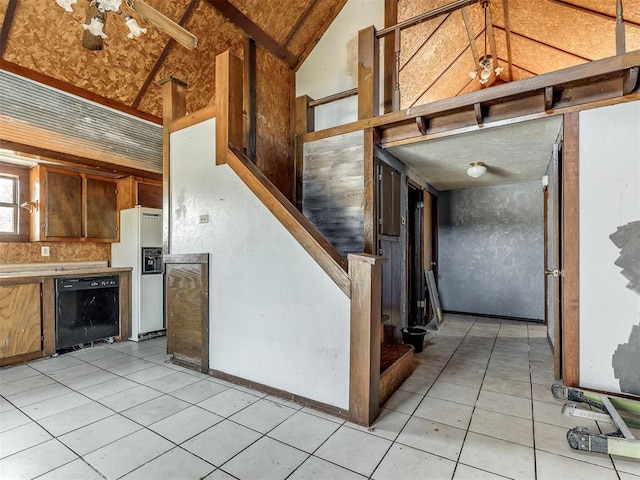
95,27
134,29
477,169
66,4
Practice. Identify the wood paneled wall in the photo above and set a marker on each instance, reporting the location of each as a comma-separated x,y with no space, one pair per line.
333,190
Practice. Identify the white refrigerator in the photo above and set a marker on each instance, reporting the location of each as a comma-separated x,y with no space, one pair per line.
140,248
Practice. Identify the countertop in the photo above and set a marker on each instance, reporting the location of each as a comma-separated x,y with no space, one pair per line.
67,269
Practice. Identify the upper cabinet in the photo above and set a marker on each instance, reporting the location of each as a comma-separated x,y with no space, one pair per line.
134,191
73,206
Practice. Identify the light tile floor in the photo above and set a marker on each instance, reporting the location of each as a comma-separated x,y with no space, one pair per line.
478,406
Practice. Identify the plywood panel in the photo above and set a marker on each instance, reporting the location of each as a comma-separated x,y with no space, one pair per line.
433,59
274,87
47,39
215,35
631,8
574,31
20,323
278,22
532,56
59,252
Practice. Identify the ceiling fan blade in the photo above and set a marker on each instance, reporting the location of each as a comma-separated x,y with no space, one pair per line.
168,26
90,41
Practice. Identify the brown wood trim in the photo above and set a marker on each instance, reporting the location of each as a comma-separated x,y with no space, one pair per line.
70,160
250,98
389,67
321,28
228,99
193,119
125,305
507,30
73,90
571,251
561,80
24,357
232,13
365,273
48,317
332,98
299,226
174,107
6,25
445,9
276,392
370,193
163,55
310,7
368,73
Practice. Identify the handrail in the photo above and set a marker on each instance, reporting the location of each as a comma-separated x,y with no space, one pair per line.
299,226
332,98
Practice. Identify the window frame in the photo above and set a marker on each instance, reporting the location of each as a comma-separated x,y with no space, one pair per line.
21,175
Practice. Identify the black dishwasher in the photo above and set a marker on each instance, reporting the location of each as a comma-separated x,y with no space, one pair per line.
87,309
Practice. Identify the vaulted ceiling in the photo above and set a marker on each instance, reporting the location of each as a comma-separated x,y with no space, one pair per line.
528,37
39,39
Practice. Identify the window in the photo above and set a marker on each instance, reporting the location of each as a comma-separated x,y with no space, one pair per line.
14,186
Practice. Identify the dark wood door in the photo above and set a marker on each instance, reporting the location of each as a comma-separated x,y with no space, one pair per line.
187,309
63,205
101,219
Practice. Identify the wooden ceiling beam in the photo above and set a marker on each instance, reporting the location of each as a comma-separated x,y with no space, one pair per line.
231,12
301,20
163,55
507,30
470,35
74,90
6,25
490,36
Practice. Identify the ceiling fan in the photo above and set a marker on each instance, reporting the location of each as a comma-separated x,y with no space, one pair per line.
97,15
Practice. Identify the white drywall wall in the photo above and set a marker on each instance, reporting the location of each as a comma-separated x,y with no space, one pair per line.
609,198
276,318
332,66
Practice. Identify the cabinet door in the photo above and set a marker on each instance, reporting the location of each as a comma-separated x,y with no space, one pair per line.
101,209
63,205
20,320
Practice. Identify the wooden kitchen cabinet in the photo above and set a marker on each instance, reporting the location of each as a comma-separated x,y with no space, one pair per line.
134,191
20,322
72,205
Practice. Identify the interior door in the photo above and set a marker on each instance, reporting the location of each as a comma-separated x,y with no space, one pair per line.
552,267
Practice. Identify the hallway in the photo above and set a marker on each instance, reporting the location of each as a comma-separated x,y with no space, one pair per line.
478,406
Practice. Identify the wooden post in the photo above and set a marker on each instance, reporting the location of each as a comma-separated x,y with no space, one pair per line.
229,105
174,106
368,73
365,273
571,252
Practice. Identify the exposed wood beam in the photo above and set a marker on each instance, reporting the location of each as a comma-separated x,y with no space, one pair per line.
163,55
470,35
249,65
229,11
322,27
301,20
548,98
73,90
507,30
621,46
489,33
6,25
391,54
590,11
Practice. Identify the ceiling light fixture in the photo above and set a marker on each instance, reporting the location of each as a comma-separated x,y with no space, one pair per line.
97,10
477,169
485,67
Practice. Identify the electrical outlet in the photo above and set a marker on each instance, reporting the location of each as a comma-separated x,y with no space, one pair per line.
204,218
44,251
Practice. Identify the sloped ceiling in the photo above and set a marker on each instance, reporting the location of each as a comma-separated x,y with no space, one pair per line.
41,40
531,37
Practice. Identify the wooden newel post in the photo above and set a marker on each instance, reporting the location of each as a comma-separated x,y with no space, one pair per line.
368,73
365,272
228,96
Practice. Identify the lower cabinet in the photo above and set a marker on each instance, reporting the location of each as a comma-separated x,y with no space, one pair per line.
20,322
187,309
